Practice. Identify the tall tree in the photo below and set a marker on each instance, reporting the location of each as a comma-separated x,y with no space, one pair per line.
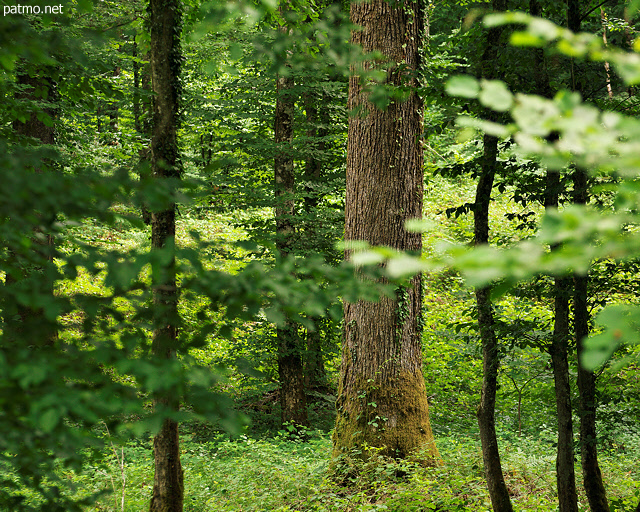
165,22
382,400
592,476
490,347
293,400
559,348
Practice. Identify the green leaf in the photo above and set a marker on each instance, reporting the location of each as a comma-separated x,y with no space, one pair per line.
621,325
367,258
49,419
464,86
495,95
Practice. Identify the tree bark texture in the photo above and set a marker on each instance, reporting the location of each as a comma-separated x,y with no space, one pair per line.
293,400
165,27
23,322
565,470
382,399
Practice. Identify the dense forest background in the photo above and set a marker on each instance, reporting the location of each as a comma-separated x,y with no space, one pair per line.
314,255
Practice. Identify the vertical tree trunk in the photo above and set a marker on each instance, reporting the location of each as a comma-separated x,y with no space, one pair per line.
559,349
165,26
565,471
382,399
591,474
490,357
137,125
144,122
293,400
490,348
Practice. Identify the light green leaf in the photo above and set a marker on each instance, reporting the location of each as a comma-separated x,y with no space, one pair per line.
405,265
367,258
464,86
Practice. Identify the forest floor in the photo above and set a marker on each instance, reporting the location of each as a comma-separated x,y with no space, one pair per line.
278,472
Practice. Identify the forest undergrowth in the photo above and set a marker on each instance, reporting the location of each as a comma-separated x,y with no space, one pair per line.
268,467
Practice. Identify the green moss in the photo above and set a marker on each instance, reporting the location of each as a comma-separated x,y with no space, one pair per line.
387,418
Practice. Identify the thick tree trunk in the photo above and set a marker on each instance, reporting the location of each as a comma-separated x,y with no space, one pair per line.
22,323
165,24
565,470
490,349
382,399
293,399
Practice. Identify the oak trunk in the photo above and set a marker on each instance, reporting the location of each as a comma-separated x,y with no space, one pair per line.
382,400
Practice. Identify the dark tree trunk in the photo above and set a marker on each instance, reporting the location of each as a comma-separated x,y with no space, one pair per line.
144,121
137,125
565,470
317,123
559,349
591,474
165,27
23,323
293,399
490,349
382,399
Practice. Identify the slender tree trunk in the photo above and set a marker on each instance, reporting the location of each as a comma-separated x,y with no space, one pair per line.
137,125
315,373
293,399
607,68
382,398
144,122
565,470
591,474
165,24
490,348
559,349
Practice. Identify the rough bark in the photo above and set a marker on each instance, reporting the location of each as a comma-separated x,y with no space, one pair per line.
293,399
382,400
23,322
165,25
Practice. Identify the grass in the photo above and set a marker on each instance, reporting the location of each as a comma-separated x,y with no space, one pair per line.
267,470
278,473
